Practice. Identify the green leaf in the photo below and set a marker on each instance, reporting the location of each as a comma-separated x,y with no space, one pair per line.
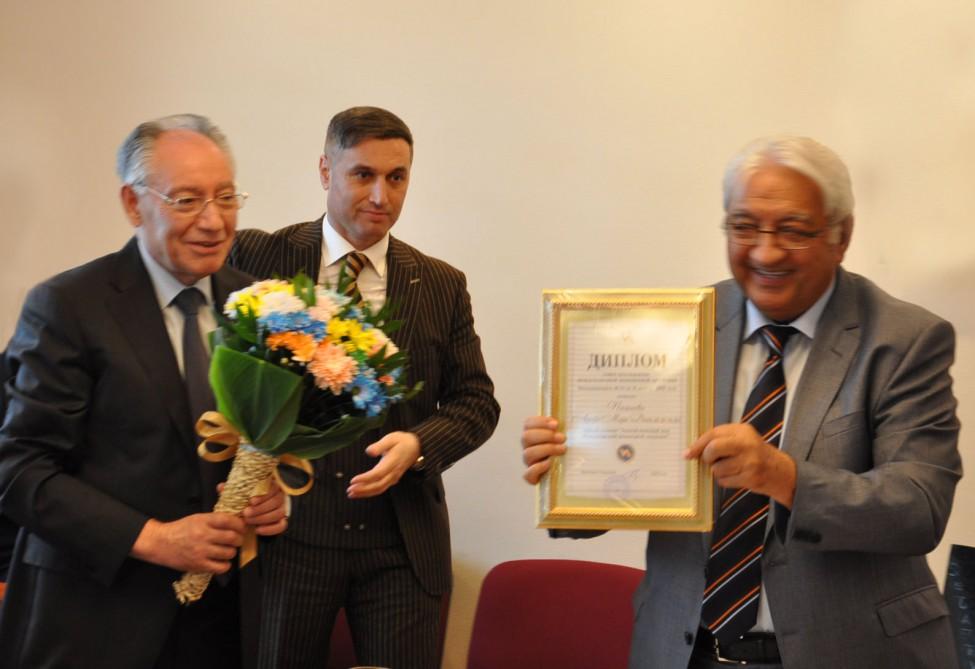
309,443
260,399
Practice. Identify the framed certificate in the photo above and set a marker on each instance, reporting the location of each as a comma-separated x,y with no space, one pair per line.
629,374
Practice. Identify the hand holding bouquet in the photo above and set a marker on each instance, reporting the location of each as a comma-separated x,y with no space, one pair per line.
298,371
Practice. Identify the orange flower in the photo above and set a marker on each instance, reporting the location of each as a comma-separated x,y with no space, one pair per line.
332,368
301,345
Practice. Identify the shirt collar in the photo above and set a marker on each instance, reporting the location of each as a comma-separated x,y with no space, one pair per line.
337,246
806,323
167,286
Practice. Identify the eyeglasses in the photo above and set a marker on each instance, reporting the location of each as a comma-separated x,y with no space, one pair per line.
193,205
787,237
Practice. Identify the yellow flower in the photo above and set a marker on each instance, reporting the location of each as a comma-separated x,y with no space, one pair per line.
250,300
301,345
350,336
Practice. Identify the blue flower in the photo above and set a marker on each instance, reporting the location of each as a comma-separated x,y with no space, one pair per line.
296,321
368,395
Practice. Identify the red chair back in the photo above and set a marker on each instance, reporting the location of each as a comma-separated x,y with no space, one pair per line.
564,614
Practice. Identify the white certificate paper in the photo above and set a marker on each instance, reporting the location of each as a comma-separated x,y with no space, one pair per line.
626,389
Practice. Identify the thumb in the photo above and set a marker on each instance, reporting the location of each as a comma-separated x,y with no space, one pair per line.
377,448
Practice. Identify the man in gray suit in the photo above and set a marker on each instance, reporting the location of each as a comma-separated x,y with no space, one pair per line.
862,485
372,535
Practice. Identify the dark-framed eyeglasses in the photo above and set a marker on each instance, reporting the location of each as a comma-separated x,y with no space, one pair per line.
789,237
193,205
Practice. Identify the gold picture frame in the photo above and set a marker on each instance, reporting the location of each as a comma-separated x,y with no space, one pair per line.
629,374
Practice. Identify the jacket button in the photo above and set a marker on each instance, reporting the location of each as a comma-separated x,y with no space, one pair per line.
688,638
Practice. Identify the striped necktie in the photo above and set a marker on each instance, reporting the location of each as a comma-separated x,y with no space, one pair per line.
734,571
354,262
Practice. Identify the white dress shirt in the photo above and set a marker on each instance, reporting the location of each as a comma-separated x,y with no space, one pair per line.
751,359
372,279
167,287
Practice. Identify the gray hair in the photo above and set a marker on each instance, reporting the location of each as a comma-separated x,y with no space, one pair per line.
807,157
132,162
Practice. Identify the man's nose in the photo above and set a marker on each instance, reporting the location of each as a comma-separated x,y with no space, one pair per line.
211,218
378,193
767,249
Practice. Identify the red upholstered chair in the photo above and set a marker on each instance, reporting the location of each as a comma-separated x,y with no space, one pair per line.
554,614
341,652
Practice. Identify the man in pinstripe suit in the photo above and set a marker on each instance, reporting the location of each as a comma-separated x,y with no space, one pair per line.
372,534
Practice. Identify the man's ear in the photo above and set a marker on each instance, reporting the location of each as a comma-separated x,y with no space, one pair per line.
323,171
130,203
843,235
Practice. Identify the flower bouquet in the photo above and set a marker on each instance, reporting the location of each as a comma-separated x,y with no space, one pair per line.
298,371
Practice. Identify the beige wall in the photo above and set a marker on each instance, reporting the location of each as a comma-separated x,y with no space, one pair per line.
560,143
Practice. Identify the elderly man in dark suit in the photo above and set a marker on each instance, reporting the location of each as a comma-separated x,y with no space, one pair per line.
372,535
98,462
8,531
851,484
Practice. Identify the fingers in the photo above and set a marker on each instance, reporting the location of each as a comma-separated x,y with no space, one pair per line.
740,458
546,422
540,430
540,440
374,481
265,508
202,542
535,472
536,454
271,529
377,448
397,452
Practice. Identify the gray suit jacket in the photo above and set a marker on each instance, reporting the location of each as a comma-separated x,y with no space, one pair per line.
98,439
453,415
872,428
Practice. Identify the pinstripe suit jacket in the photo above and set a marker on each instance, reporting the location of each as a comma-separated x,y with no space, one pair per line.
873,431
454,414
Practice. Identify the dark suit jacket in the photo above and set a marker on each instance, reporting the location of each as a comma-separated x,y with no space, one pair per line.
98,439
455,413
873,431
8,530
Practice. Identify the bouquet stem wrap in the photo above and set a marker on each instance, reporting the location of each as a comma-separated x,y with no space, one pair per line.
250,476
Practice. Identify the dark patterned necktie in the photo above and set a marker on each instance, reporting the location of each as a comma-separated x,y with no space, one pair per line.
734,571
354,262
196,358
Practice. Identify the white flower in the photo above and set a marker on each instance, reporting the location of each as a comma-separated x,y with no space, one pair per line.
279,302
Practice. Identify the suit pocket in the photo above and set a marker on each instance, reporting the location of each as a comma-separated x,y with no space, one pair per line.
910,610
839,427
845,443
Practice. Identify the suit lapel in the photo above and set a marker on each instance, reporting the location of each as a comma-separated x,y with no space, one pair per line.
837,341
136,311
304,251
729,322
403,289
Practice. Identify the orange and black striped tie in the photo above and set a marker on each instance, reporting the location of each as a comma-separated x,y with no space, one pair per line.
354,262
734,571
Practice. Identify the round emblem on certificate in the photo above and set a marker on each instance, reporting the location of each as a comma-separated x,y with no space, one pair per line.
625,452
